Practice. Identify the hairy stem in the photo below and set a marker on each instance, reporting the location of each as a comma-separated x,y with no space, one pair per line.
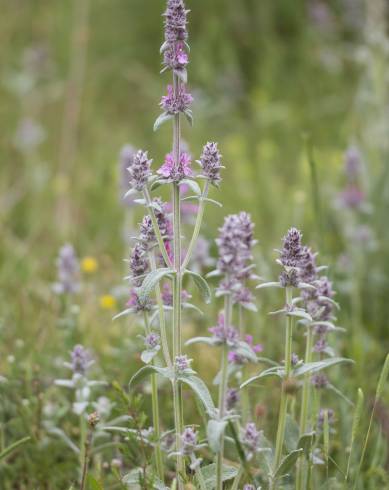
155,410
222,394
157,232
197,228
161,314
304,416
177,285
86,457
235,484
284,397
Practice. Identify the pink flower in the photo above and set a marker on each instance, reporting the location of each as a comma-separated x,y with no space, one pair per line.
257,347
169,171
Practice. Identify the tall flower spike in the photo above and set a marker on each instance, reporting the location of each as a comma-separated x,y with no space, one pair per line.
210,162
140,170
138,264
68,268
174,103
80,360
175,22
291,257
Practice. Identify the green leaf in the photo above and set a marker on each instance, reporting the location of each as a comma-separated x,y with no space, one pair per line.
291,434
161,119
147,370
189,116
150,281
273,371
192,184
314,367
209,474
201,390
305,443
12,447
215,432
212,201
201,340
287,463
94,484
202,285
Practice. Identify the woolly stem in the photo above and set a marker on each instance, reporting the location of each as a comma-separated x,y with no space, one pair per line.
222,393
162,323
284,397
86,458
304,416
155,410
197,228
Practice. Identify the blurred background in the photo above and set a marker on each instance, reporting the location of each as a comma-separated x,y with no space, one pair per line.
296,93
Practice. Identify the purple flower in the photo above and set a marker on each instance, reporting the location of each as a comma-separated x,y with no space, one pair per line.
251,438
125,160
250,341
174,103
352,197
139,264
147,237
319,381
210,162
139,170
235,243
167,295
330,417
68,271
307,267
136,304
353,163
188,441
232,398
152,340
295,359
170,171
248,486
321,345
235,358
175,56
291,257
224,334
175,21
182,363
81,360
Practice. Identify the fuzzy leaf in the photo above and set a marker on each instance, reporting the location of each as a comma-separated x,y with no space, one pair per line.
182,74
148,355
202,285
201,340
305,443
314,367
269,285
291,434
162,118
209,474
201,390
287,463
189,116
192,184
212,201
12,447
273,371
150,281
300,314
215,431
147,370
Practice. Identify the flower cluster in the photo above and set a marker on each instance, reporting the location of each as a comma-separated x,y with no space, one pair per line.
235,244
251,438
139,170
81,360
224,334
68,271
210,162
139,264
176,173
174,49
177,101
291,257
126,157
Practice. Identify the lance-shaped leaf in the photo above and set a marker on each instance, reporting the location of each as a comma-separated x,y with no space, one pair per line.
305,443
192,184
161,119
299,313
215,431
147,370
150,281
201,390
209,474
314,367
291,434
201,340
287,463
202,285
12,447
273,371
269,285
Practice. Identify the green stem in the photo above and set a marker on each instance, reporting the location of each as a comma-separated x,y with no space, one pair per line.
222,394
162,323
235,484
304,416
177,285
199,474
83,437
157,232
284,397
86,457
197,228
155,410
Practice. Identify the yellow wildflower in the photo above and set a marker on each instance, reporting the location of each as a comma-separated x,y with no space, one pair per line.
89,265
107,302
